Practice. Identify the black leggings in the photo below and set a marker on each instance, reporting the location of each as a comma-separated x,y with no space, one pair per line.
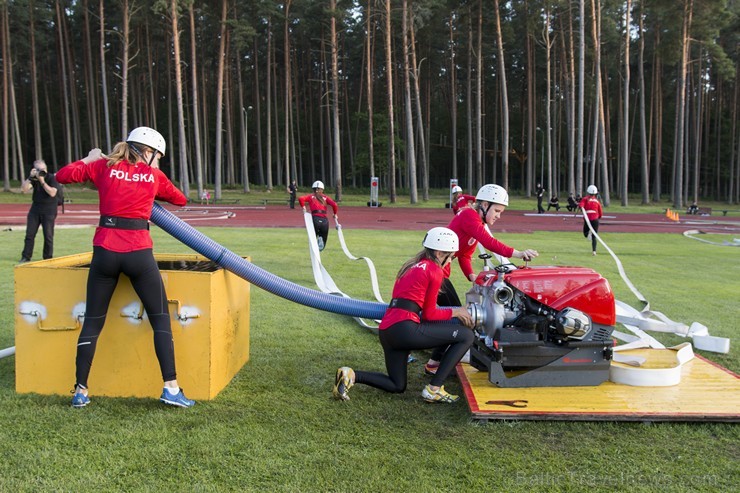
447,297
586,231
321,227
141,268
400,338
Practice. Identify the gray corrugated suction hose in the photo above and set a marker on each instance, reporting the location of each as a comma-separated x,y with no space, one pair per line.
260,277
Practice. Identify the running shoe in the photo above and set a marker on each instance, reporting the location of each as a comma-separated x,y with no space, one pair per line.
344,381
178,399
320,241
431,368
439,395
80,400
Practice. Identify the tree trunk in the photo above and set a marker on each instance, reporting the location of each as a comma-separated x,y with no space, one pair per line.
124,69
198,153
104,78
644,155
410,149
218,165
421,135
182,136
681,107
581,97
389,92
369,68
626,105
34,86
504,98
453,95
337,151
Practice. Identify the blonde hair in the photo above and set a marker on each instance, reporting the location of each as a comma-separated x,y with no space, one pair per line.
123,151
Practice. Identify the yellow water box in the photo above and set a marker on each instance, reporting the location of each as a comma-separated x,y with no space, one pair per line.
209,309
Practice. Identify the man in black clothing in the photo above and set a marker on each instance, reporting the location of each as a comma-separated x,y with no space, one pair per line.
572,203
540,195
292,189
43,210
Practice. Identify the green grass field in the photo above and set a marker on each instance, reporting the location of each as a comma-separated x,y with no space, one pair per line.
276,427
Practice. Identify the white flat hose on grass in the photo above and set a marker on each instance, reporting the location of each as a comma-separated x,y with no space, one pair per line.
370,265
321,276
637,321
4,353
693,232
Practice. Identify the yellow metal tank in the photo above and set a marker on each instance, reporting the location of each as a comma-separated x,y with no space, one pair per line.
209,309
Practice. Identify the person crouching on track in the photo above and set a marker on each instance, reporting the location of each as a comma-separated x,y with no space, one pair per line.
470,227
128,182
591,205
408,324
317,203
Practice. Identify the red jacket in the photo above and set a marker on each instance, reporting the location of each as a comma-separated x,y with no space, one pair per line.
125,190
461,202
592,206
419,284
317,208
470,230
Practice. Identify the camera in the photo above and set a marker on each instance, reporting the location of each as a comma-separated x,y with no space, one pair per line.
35,177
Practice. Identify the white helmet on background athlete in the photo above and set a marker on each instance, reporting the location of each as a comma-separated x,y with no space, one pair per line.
318,184
456,189
441,239
493,193
592,190
148,137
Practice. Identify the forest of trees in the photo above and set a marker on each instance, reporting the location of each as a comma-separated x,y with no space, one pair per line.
639,97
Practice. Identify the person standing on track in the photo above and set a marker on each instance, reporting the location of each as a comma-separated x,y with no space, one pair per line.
470,227
413,321
43,211
459,199
592,207
315,204
128,182
540,196
292,190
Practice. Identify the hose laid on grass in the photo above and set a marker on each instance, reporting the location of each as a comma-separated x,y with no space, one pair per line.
260,277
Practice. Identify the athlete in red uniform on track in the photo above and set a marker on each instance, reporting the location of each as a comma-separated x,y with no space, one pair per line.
128,182
317,203
590,203
470,227
405,325
460,200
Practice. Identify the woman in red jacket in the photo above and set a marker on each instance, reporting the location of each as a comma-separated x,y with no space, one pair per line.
128,182
459,199
317,203
470,227
591,205
406,324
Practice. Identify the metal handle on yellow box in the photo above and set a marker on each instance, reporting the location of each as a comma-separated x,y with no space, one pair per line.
56,328
182,317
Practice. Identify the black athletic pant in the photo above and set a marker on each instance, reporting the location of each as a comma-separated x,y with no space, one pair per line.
141,268
586,231
46,221
321,227
399,339
447,297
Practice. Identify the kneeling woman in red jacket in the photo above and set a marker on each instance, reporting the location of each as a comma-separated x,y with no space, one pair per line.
406,324
128,181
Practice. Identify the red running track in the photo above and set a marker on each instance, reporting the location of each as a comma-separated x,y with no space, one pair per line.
276,216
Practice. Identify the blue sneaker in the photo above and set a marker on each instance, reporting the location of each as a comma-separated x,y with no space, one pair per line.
80,400
178,399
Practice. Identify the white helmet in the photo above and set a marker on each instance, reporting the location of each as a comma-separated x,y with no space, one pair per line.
318,184
148,137
592,190
493,193
456,189
442,239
